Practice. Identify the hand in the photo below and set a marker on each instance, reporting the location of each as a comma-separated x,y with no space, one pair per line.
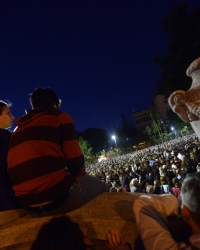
87,241
116,241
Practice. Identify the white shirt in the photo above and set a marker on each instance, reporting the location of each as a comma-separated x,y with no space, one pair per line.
150,214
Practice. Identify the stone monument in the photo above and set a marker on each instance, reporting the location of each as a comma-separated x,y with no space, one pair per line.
187,103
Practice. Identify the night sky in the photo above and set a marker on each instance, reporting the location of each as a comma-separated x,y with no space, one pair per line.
96,55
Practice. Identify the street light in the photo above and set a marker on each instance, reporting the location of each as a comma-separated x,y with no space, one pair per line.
173,130
114,138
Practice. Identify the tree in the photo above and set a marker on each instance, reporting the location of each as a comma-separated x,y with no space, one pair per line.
127,129
181,128
87,150
115,152
157,131
183,29
96,137
127,135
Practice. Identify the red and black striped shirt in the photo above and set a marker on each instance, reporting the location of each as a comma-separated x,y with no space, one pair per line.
43,151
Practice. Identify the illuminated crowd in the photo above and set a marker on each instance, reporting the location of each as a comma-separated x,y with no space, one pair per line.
158,169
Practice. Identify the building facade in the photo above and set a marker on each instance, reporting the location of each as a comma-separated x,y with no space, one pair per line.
142,119
161,106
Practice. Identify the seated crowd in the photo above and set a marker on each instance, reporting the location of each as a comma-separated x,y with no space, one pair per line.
155,170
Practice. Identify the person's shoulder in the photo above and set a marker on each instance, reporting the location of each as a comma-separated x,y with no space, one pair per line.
64,117
53,111
59,113
64,114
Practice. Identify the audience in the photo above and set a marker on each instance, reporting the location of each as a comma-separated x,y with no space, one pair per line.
160,163
157,170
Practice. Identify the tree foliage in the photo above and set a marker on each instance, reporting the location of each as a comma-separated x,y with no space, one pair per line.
157,131
128,135
182,128
182,26
96,137
87,150
127,129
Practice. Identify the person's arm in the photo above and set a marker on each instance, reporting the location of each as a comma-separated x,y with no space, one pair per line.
116,241
70,146
150,213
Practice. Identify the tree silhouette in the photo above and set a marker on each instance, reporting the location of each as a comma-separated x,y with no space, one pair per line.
182,26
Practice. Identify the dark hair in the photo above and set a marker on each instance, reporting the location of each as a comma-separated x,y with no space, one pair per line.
143,183
60,234
190,194
4,104
44,98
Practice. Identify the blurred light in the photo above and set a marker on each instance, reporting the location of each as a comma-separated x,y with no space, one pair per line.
114,138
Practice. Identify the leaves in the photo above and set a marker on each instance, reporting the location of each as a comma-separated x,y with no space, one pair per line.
183,29
157,131
86,149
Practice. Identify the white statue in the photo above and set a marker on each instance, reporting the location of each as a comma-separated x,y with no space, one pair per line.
187,103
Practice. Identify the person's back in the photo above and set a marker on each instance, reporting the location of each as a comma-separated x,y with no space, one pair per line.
156,173
164,185
45,159
151,213
157,189
150,178
38,151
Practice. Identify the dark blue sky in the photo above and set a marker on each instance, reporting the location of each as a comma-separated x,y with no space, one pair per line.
97,55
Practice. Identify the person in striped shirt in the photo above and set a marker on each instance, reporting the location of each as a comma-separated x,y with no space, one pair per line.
45,161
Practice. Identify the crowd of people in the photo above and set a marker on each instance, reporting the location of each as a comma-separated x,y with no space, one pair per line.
168,176
157,170
42,173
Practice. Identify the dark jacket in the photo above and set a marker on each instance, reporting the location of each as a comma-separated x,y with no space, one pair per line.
150,180
8,201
